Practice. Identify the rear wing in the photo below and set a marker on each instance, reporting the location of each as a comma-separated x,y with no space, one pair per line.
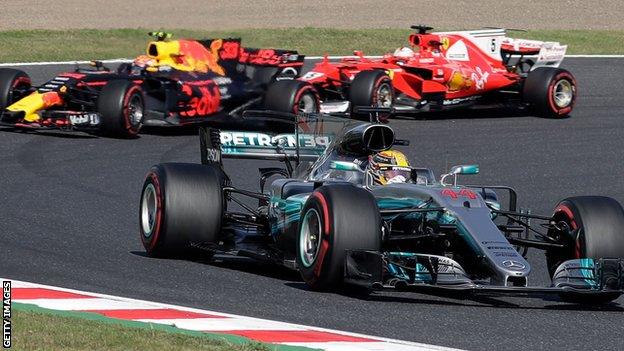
218,144
495,43
289,138
231,54
549,54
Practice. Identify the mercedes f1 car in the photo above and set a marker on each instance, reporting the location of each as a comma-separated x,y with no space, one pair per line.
322,214
439,71
177,82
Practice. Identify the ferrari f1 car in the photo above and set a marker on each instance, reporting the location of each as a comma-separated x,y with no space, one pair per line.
439,71
322,214
177,82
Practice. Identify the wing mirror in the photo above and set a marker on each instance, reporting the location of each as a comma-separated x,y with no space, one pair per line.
456,170
465,169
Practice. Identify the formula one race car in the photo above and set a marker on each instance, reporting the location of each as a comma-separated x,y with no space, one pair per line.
439,71
324,215
177,82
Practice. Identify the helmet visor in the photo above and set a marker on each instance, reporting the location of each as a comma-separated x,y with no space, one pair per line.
393,172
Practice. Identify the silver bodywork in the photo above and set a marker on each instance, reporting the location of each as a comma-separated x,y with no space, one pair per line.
474,223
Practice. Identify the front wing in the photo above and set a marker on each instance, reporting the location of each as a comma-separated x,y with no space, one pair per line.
439,275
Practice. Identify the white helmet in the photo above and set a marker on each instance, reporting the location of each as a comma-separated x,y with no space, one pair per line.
404,53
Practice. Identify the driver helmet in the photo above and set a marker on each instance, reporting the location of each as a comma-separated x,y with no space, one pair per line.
388,167
404,53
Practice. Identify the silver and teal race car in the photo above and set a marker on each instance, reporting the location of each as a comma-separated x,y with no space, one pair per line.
322,215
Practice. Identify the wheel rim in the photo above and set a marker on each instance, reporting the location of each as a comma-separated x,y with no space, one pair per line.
307,104
384,96
563,93
135,110
310,238
149,208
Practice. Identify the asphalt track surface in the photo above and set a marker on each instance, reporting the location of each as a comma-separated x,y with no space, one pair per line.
69,217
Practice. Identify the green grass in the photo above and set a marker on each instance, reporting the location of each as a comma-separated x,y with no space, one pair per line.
36,328
86,44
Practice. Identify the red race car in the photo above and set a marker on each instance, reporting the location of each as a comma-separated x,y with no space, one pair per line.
438,71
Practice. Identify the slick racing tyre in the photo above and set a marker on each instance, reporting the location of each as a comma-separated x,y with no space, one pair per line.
550,92
370,89
592,229
14,84
121,106
292,96
181,204
335,218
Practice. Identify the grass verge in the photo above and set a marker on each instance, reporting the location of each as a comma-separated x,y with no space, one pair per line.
36,328
86,44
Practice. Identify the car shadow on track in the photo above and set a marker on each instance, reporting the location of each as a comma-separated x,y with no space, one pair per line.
483,113
293,280
241,264
464,300
50,133
170,131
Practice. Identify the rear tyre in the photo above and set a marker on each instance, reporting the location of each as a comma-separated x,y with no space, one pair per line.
595,231
292,96
121,106
181,204
335,218
550,92
370,88
14,84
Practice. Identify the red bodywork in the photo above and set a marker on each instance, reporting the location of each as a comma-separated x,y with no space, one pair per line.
435,68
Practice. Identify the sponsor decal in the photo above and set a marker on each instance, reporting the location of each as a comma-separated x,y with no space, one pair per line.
205,100
480,78
459,100
445,42
267,57
505,254
458,82
261,140
514,265
229,50
551,52
86,118
312,76
465,193
458,52
222,80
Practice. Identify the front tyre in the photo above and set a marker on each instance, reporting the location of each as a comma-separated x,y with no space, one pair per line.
121,105
292,96
181,204
550,92
370,89
335,218
14,84
591,228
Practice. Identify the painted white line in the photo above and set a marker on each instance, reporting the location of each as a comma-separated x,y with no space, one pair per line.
52,63
244,323
362,346
123,60
86,304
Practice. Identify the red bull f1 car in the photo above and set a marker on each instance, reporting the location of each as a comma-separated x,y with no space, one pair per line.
177,82
323,215
439,71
